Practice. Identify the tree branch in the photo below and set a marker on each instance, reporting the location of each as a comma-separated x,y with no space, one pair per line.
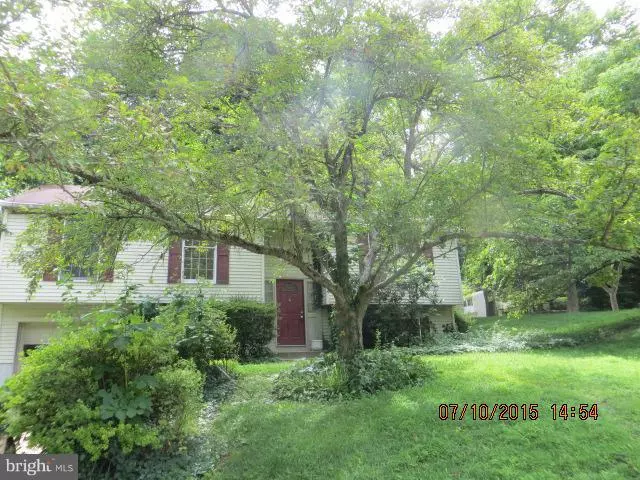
177,225
548,191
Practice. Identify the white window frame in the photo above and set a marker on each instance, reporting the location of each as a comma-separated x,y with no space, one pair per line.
76,279
195,280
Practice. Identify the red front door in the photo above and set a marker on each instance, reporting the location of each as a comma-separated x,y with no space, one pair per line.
290,297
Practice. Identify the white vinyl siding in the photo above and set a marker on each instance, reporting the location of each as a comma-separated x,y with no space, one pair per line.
148,270
447,282
441,317
8,335
447,274
276,268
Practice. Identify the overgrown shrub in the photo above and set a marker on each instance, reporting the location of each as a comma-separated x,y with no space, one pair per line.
370,371
475,340
398,324
331,344
203,332
462,320
149,309
315,379
390,369
399,317
254,323
219,330
110,388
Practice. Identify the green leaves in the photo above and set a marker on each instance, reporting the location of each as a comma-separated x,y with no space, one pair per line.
205,335
126,403
357,119
82,394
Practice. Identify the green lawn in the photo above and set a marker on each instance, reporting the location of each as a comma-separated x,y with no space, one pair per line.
399,434
565,323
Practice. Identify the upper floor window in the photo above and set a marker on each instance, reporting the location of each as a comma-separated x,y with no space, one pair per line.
198,260
84,254
81,272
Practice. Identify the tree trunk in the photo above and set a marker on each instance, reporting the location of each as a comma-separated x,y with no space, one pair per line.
573,302
613,299
349,325
612,289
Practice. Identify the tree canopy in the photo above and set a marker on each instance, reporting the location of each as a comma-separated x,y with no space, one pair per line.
347,143
590,192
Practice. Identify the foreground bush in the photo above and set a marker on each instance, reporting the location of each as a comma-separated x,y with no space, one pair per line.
254,324
105,390
203,333
219,330
371,371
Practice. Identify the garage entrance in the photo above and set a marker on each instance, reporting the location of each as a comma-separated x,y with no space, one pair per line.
30,335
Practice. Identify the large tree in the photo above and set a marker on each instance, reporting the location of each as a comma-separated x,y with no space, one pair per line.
528,275
347,143
590,190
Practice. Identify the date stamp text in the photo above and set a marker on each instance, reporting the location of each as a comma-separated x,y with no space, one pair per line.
516,411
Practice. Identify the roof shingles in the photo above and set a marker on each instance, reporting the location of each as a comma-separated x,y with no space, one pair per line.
45,195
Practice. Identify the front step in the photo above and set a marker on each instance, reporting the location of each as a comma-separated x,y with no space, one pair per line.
297,355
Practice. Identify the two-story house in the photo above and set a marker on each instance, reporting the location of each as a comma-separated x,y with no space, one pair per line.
302,321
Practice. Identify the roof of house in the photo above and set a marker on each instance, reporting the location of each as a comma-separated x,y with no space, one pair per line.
45,195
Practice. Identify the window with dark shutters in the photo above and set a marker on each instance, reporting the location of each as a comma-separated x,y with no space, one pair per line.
50,274
190,260
77,272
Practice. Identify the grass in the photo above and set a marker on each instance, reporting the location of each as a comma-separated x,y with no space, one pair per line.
399,435
568,324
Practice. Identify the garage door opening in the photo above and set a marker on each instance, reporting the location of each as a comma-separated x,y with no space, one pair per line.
30,337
